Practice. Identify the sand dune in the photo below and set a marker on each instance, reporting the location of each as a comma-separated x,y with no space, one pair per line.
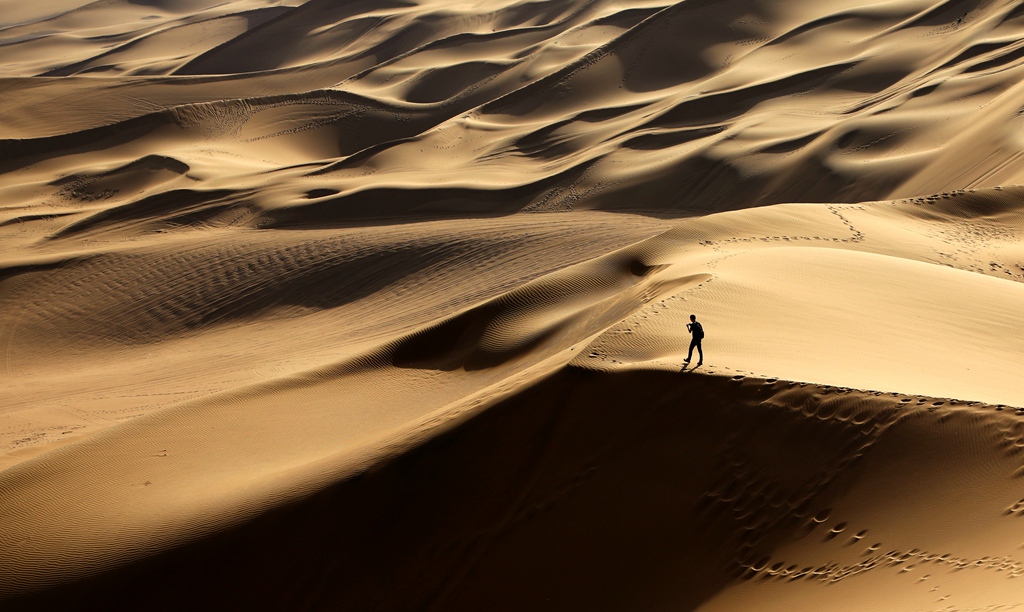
381,305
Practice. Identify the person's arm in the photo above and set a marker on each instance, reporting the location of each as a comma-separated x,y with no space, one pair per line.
689,327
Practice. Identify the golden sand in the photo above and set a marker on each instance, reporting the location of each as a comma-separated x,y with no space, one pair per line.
323,305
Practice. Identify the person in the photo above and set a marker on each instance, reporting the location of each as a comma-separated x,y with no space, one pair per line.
697,332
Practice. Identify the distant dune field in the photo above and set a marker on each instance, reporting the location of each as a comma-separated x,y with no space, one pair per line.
381,305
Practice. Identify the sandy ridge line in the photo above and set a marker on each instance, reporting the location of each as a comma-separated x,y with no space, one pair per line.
538,86
192,114
905,398
367,458
301,481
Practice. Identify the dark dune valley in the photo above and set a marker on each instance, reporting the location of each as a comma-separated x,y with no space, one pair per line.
353,305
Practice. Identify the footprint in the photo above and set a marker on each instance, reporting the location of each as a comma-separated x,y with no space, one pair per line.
857,538
835,531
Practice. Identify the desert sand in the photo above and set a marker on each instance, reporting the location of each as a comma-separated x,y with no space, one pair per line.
381,305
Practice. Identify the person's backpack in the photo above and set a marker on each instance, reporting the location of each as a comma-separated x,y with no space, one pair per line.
698,330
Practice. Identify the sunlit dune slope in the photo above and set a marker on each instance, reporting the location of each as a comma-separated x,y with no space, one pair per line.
263,444
693,106
921,295
381,305
212,310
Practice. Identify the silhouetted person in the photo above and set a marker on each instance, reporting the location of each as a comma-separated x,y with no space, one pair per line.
698,334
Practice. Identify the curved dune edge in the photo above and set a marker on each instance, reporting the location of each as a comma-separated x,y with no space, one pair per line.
281,326
612,489
417,109
187,470
181,478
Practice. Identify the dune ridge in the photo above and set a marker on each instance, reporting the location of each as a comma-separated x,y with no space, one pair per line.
382,305
566,451
859,126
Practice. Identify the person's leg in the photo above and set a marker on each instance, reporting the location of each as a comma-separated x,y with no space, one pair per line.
689,355
700,352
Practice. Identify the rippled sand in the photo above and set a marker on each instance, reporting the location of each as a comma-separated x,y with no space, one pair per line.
381,305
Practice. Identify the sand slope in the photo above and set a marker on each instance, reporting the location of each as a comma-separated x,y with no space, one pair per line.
382,305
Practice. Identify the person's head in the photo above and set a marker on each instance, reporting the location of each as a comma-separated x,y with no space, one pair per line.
693,317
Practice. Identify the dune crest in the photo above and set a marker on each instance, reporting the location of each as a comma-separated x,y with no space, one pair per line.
382,305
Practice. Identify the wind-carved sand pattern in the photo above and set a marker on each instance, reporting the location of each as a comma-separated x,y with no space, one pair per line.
321,305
